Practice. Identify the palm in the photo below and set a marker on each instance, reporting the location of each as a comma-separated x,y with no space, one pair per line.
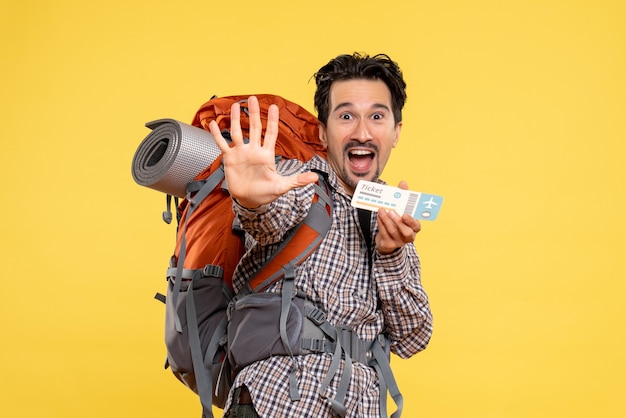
251,174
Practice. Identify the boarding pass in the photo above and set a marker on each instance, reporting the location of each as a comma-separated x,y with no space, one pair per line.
373,196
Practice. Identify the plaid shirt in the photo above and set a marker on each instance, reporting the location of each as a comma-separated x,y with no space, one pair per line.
386,298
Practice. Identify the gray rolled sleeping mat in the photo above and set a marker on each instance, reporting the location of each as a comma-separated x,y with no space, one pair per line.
172,155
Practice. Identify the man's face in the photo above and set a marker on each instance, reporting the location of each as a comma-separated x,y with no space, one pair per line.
360,132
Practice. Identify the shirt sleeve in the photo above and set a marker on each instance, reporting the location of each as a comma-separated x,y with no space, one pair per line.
405,306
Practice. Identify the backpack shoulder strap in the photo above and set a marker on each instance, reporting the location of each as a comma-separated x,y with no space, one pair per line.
301,241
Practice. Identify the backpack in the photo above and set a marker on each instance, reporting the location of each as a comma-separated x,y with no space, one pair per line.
210,332
209,243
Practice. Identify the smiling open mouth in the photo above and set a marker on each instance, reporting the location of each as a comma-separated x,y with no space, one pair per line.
361,159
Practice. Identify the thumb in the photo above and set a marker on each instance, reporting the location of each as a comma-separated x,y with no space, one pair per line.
403,185
298,180
303,179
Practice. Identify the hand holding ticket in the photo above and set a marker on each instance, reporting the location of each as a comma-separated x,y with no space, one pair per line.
373,196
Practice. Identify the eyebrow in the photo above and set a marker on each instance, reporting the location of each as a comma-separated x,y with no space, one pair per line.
348,104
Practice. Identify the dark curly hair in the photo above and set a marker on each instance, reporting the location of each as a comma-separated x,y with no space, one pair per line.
359,66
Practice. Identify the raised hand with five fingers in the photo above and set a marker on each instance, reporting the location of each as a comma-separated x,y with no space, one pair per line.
250,166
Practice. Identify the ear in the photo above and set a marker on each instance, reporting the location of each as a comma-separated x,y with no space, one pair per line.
322,134
397,130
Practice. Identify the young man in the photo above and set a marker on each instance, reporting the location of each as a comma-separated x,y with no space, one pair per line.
374,291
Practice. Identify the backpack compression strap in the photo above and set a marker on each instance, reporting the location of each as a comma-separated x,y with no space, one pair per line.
387,382
200,362
211,183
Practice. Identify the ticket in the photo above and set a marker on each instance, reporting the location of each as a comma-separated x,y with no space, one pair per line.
373,196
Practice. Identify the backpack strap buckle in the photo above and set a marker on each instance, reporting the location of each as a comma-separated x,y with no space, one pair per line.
352,345
211,270
315,345
317,316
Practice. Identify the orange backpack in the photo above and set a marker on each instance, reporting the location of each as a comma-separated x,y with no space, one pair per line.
209,244
210,239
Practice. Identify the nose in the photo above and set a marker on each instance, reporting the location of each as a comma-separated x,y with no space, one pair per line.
361,132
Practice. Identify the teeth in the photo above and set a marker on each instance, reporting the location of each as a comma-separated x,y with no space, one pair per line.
360,152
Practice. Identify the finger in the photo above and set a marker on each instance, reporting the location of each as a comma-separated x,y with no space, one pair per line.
297,180
217,136
303,179
235,124
254,115
385,240
397,229
411,222
403,185
384,223
404,232
388,224
271,132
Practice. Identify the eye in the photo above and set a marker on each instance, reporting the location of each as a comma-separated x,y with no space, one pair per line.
345,116
378,116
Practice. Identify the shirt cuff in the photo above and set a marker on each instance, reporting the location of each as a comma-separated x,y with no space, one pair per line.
392,267
248,213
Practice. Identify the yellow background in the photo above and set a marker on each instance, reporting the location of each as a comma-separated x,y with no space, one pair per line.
516,115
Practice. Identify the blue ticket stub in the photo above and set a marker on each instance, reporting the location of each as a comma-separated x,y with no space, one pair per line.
373,196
